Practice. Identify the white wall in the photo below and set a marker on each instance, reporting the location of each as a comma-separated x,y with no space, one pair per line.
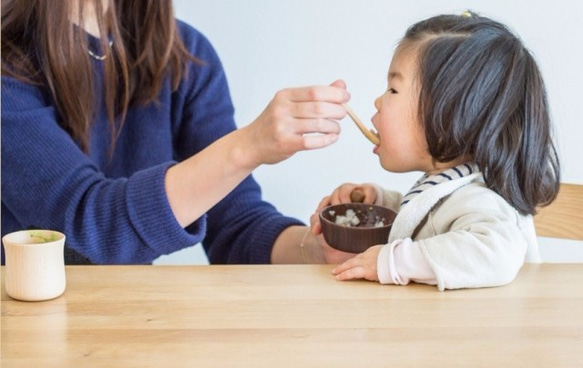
266,45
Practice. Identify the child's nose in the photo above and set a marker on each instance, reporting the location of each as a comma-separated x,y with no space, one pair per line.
377,103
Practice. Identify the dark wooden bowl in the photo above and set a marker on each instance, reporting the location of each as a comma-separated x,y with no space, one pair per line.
356,239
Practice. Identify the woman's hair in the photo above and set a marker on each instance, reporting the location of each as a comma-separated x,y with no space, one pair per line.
482,97
41,45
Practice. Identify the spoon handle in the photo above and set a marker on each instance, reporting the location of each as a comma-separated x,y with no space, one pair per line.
370,135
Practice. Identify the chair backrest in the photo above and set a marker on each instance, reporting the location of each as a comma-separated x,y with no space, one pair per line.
564,217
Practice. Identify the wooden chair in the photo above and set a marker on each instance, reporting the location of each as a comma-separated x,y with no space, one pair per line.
564,217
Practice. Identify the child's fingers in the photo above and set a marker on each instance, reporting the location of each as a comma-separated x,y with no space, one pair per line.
357,272
351,263
325,202
342,193
370,193
361,266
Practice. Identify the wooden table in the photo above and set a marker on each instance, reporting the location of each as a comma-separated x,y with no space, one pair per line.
293,316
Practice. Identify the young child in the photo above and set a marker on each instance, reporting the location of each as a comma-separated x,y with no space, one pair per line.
465,104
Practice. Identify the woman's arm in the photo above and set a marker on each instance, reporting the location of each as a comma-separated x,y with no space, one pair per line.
274,136
48,182
241,227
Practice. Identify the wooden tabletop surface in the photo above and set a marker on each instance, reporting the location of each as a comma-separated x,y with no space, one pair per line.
293,316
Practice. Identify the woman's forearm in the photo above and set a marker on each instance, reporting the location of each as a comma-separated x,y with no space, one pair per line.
297,244
283,128
201,181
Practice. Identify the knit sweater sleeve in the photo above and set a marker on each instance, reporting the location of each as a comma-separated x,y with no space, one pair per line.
48,182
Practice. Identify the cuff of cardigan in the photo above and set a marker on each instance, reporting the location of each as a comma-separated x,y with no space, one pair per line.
386,263
383,268
151,215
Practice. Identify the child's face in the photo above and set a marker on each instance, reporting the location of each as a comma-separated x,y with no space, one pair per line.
403,147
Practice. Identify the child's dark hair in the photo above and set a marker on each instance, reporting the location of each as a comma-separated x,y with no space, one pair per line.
482,97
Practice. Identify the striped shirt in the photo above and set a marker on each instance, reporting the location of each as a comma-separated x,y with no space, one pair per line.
428,181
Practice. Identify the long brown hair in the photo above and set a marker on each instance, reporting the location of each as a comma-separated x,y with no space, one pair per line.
483,97
42,46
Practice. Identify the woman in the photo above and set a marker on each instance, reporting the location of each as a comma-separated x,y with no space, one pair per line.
117,129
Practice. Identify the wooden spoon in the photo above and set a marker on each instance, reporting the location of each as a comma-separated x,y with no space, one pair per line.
370,134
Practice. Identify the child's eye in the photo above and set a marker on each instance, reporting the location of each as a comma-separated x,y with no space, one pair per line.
392,91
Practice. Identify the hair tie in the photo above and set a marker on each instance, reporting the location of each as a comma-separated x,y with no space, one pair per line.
466,14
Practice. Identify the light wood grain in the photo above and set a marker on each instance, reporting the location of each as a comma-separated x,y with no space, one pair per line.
563,218
293,316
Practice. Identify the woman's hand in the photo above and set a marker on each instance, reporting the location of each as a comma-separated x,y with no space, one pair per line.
296,119
283,129
362,266
321,250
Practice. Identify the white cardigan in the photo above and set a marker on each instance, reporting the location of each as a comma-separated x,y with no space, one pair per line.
469,235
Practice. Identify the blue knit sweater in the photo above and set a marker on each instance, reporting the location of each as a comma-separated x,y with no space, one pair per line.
115,210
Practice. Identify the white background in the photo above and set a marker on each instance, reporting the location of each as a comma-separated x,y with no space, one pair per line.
267,45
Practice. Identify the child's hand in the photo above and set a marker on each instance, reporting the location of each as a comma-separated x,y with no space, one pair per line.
343,192
362,266
342,195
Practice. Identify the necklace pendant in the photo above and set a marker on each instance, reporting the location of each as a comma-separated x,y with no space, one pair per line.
100,57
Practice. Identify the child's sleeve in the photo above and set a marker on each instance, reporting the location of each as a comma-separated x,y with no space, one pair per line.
401,262
388,198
